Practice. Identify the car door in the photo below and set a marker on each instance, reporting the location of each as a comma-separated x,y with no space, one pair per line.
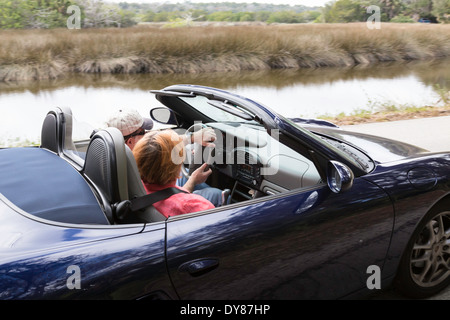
304,244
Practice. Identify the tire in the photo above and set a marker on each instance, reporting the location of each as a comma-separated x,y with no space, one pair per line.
425,266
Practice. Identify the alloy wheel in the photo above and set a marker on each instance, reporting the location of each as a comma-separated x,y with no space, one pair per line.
430,255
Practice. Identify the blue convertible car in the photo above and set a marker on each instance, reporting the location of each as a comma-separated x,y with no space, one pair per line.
315,212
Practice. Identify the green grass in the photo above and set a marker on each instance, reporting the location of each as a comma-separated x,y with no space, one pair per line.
47,54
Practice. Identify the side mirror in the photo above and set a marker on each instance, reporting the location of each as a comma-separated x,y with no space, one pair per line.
339,177
164,116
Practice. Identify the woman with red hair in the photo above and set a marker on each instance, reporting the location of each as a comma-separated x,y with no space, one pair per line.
159,157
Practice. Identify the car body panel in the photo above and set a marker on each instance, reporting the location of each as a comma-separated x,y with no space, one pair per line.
309,244
37,181
36,256
381,149
411,201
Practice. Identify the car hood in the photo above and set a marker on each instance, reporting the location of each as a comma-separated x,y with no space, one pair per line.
380,149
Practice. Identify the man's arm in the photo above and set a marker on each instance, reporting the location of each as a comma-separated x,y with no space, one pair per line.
205,136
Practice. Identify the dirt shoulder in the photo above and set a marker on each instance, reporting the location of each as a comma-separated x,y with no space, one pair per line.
382,116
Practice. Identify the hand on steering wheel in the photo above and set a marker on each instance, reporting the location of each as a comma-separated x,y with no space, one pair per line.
202,137
201,134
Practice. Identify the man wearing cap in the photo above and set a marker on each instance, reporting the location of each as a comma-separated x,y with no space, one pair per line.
133,127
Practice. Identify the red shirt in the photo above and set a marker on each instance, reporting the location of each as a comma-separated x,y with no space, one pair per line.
178,203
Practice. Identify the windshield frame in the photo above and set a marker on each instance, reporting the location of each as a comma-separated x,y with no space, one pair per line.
341,155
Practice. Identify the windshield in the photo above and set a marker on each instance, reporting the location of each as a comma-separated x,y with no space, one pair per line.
218,113
201,103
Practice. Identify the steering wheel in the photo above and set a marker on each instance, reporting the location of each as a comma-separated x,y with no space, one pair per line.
198,154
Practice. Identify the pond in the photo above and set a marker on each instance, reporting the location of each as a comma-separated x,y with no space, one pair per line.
305,93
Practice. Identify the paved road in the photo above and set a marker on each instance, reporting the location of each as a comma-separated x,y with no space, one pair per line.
432,134
429,133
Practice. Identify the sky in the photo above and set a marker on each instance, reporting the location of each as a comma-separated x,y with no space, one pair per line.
290,2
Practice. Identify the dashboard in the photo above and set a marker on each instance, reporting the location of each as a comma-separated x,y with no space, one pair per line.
258,161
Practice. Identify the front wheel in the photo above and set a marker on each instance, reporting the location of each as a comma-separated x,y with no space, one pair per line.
425,266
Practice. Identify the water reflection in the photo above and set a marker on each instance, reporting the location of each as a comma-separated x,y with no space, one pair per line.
293,93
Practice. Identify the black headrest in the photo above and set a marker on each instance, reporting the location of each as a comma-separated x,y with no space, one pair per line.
105,165
50,133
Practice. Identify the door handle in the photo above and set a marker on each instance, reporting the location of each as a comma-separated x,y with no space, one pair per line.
199,267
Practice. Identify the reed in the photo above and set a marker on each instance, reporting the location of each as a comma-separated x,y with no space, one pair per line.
393,113
47,54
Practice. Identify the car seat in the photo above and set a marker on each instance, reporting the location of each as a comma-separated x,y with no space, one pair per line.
52,131
56,132
111,168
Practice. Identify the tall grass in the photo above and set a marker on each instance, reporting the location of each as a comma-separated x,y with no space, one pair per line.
39,54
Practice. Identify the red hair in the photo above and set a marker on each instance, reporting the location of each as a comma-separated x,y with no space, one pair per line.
159,156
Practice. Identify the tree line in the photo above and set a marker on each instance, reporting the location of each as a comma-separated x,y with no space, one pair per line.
391,10
25,14
47,14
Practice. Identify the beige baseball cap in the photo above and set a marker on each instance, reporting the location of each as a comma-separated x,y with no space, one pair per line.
129,121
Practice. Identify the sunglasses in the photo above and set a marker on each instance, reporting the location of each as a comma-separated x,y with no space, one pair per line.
140,132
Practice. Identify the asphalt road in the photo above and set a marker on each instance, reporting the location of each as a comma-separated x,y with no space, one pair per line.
432,134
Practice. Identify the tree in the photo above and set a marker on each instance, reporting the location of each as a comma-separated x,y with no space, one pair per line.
11,14
33,14
420,8
97,14
127,18
344,11
221,16
402,19
262,15
149,16
391,7
441,9
284,17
